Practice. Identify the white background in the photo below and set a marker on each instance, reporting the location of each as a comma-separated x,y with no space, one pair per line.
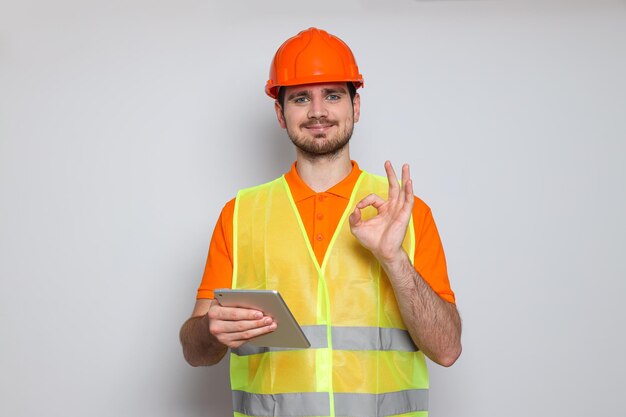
125,126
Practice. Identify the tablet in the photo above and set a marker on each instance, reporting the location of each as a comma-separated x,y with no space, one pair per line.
288,333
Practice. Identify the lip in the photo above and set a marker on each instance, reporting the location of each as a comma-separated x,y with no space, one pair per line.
319,128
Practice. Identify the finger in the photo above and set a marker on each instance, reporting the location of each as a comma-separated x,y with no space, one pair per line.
409,191
234,340
219,312
248,334
355,217
393,180
231,330
371,200
409,200
245,325
406,176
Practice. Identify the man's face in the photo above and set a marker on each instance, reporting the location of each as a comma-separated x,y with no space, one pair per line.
319,118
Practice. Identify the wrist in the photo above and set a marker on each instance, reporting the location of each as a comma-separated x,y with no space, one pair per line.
395,261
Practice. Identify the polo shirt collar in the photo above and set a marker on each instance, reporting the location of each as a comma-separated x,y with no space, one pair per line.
300,191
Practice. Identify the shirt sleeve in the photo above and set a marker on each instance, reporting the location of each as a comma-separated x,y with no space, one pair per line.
430,260
218,272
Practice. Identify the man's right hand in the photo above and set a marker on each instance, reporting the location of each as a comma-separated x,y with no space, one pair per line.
234,326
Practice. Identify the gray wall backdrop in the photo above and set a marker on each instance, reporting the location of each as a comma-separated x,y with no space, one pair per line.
126,125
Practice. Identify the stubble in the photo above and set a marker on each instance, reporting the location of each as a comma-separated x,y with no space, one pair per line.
321,146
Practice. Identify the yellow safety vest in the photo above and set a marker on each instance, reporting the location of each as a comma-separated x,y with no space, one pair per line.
362,361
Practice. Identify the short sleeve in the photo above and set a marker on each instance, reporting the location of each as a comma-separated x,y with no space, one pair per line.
218,272
430,260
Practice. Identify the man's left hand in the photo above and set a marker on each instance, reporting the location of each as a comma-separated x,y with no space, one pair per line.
384,233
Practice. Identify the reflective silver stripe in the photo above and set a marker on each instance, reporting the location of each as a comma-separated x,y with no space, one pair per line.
374,405
287,405
347,338
317,404
372,338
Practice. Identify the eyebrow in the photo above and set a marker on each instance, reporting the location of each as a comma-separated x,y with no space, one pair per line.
302,93
325,91
340,90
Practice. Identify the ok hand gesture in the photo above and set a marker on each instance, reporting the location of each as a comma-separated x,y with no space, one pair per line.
384,233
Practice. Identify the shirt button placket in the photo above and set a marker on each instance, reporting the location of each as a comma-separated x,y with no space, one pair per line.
319,216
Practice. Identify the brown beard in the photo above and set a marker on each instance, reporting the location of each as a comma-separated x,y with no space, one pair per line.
314,149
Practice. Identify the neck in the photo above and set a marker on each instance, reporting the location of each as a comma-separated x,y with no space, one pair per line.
322,173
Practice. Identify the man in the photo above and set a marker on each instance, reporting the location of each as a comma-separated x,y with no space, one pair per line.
356,257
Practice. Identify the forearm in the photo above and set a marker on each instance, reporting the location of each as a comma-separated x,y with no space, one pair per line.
433,323
200,347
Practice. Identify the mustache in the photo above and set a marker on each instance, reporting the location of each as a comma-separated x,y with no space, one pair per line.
317,122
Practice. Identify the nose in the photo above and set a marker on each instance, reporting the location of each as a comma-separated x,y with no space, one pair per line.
317,108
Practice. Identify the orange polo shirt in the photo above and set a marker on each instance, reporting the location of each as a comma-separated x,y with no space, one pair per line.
320,213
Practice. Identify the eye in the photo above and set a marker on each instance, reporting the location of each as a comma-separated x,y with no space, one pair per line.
301,99
333,97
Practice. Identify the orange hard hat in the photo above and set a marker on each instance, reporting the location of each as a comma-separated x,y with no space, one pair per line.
312,56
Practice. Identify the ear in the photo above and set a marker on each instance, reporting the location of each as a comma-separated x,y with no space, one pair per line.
279,114
356,106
